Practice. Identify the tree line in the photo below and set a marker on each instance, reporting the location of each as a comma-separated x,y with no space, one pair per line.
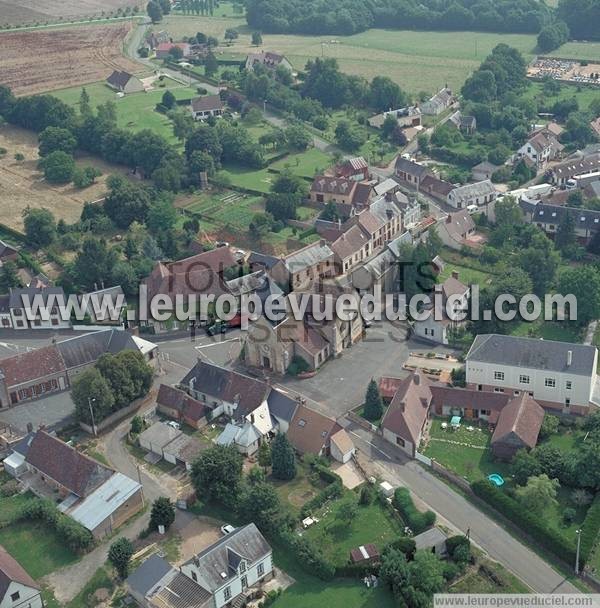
347,17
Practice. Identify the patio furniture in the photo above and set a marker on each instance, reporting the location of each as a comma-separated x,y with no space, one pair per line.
455,422
444,426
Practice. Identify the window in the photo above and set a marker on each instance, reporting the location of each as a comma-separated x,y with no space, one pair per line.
400,442
260,570
244,582
242,567
569,385
516,392
550,382
194,577
485,412
567,402
15,596
301,422
227,593
524,379
498,390
498,375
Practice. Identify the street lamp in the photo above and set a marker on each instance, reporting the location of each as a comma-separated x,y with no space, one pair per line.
578,532
90,401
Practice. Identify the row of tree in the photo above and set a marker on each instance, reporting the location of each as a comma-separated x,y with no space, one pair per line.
347,17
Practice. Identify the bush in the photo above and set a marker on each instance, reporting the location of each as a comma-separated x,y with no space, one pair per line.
569,515
418,522
297,366
533,525
10,488
590,529
454,542
310,558
405,544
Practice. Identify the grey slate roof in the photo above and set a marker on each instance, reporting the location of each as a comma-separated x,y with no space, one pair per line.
118,79
247,542
429,538
585,219
4,305
409,166
183,592
86,349
533,353
149,574
263,259
468,191
308,256
281,406
17,294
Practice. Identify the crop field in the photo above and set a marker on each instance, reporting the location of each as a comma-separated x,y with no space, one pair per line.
418,61
22,185
19,12
37,61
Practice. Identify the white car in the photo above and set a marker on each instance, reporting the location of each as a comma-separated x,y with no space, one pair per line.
227,529
173,424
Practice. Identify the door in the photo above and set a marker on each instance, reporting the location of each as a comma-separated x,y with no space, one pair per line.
244,582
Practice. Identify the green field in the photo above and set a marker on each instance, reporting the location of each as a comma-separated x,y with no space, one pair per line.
37,548
584,95
305,164
372,524
135,111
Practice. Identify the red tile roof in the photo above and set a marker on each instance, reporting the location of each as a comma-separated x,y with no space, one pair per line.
73,470
33,365
309,432
408,410
187,406
522,417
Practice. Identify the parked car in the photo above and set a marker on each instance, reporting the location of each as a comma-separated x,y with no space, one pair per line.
173,424
220,327
227,529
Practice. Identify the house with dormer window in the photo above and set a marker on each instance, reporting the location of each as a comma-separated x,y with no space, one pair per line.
230,567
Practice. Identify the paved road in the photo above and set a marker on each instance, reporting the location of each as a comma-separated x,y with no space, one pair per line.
460,513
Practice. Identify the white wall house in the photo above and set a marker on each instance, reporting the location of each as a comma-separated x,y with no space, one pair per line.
17,588
558,375
235,563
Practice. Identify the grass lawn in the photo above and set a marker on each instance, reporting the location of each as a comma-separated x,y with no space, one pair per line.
226,207
372,524
559,331
37,548
478,579
470,457
101,580
584,95
466,275
10,505
135,111
361,412
305,164
250,179
299,490
311,592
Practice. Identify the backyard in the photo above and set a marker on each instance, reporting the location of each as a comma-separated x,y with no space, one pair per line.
466,453
135,111
336,536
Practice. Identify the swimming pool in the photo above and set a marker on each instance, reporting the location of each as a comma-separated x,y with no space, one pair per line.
496,479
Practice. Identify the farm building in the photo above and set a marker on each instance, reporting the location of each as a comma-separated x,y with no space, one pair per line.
433,540
163,50
441,101
124,82
156,437
179,405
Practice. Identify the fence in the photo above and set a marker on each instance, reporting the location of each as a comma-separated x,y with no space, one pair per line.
365,424
424,459
114,418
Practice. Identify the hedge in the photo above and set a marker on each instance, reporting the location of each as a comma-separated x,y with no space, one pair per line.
75,536
309,557
418,522
530,523
333,490
358,571
589,530
405,544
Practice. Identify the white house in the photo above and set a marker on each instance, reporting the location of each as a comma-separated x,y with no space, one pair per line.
206,106
33,308
479,193
17,588
558,375
342,447
239,561
438,325
437,104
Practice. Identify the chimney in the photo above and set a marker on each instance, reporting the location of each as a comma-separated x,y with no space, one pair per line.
30,427
388,195
448,219
569,358
417,378
95,286
389,214
455,274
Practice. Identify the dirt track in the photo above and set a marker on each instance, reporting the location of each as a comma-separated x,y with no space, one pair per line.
44,60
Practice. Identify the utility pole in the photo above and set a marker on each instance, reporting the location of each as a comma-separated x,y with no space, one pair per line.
578,532
141,484
90,400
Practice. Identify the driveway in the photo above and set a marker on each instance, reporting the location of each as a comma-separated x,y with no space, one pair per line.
341,383
386,461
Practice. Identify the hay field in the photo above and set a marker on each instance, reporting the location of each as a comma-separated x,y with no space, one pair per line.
22,185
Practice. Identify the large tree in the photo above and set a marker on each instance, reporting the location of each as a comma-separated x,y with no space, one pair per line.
91,392
119,555
40,226
260,504
56,138
373,403
584,283
217,474
162,514
539,493
283,458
